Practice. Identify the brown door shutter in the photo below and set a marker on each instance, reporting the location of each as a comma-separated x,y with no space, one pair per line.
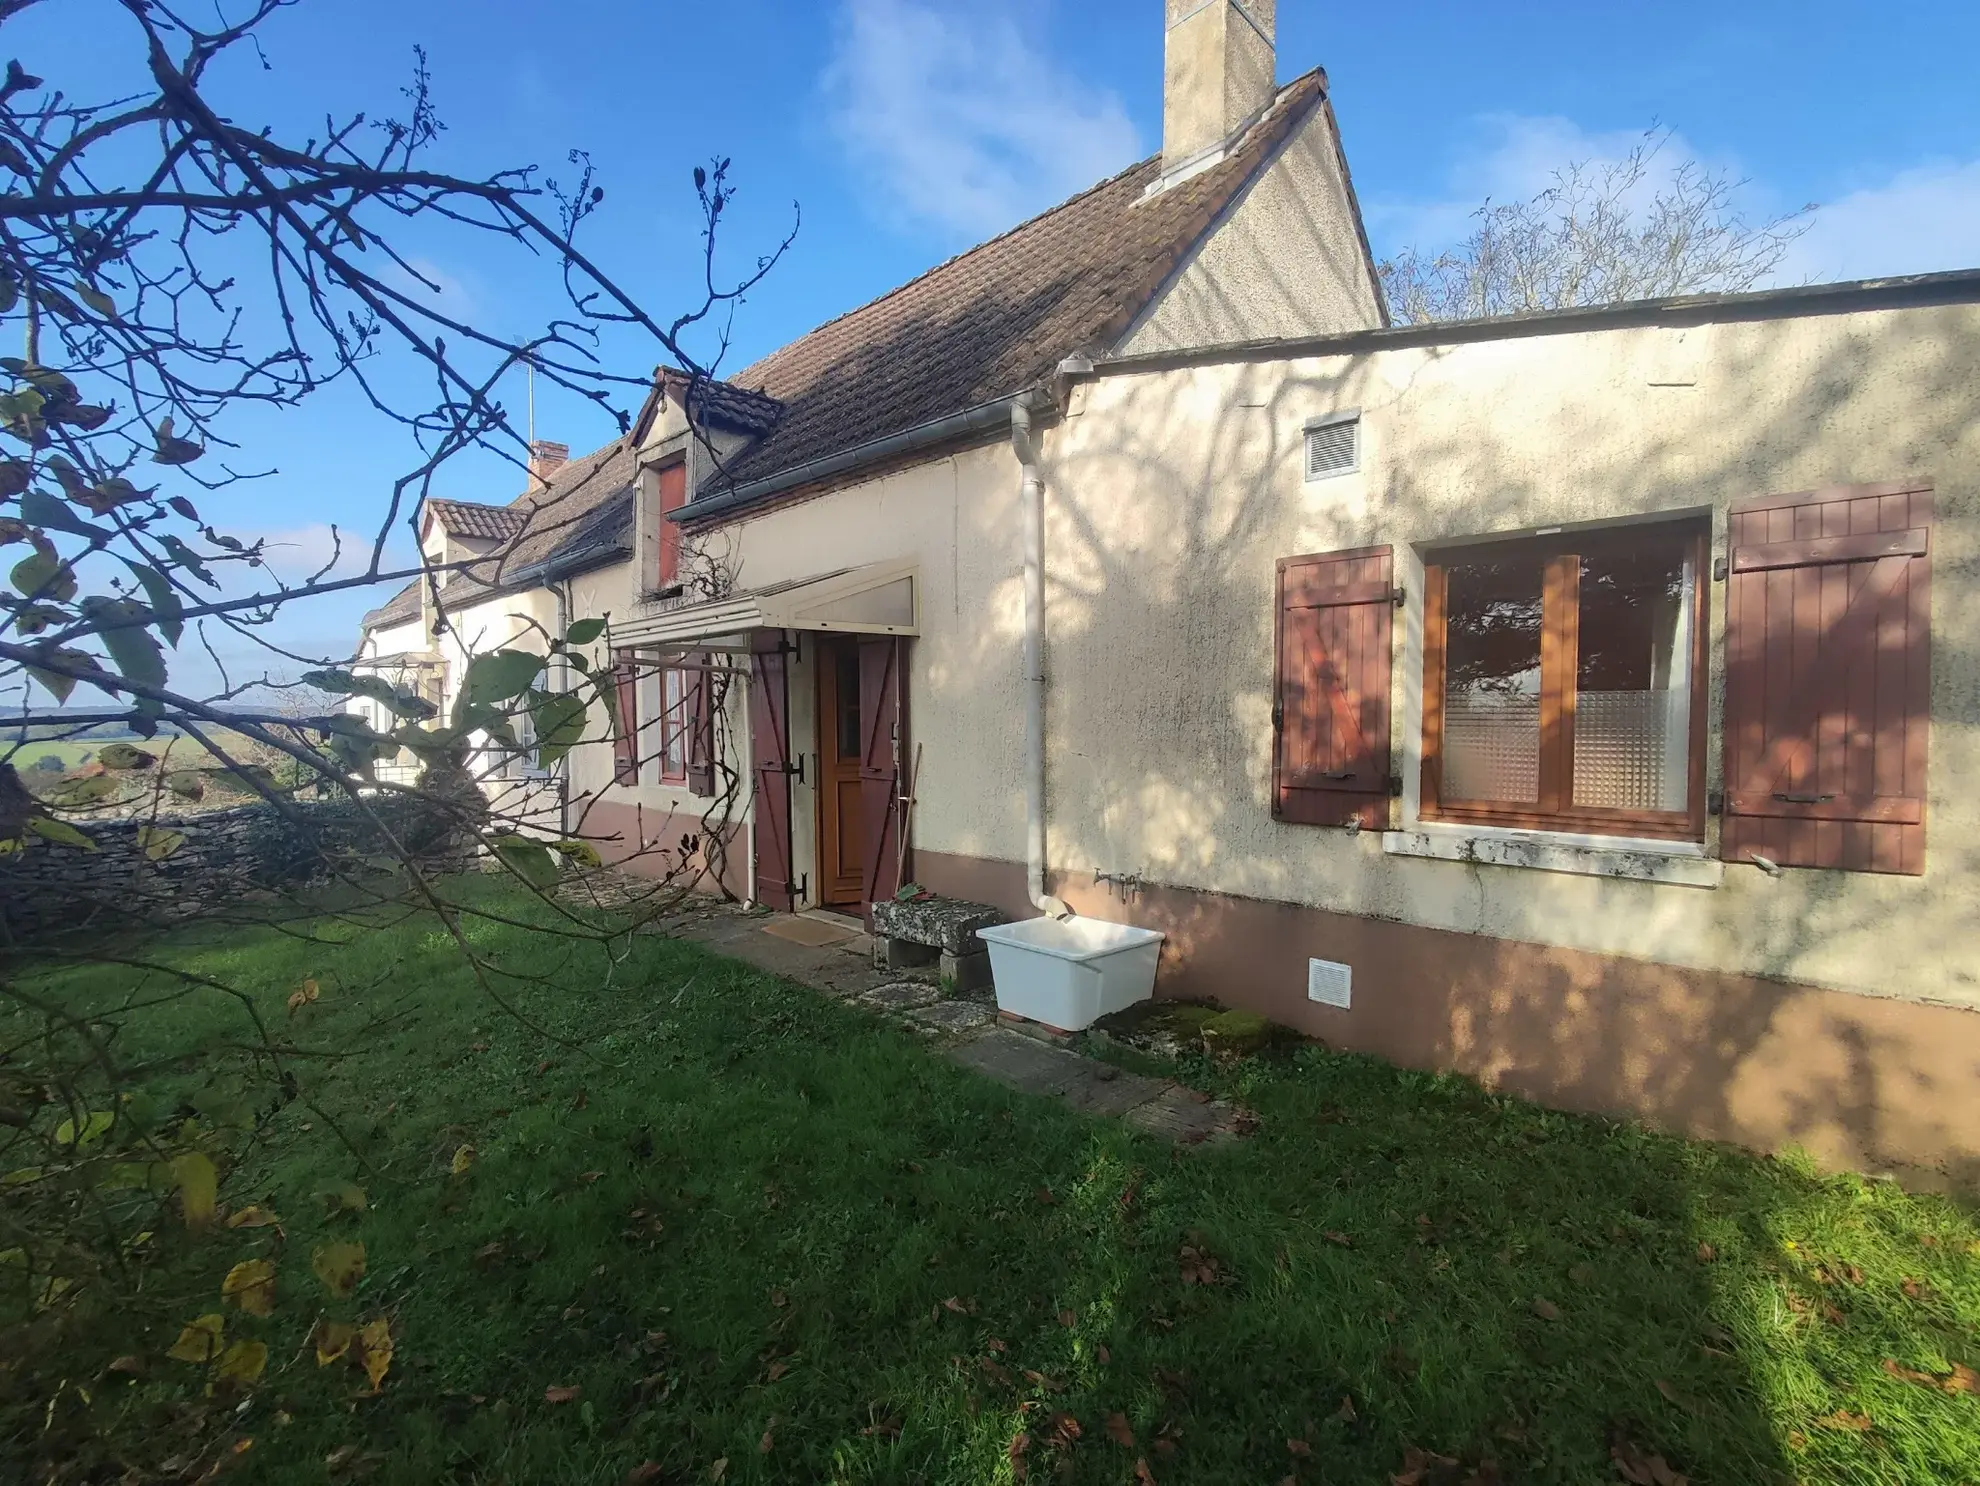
625,729
1330,711
770,756
701,727
1828,678
883,744
673,495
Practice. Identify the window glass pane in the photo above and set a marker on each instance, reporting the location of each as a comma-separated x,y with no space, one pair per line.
673,728
1492,681
848,702
1632,709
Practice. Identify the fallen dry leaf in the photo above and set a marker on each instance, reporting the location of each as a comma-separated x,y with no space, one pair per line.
643,1474
253,1217
1706,1253
1298,1448
200,1341
779,1299
778,1369
1546,1310
1418,1465
1120,1431
1020,1442
1339,1240
129,1365
1103,1355
1062,1431
561,1393
1640,1467
1962,1379
951,1304
1198,1266
1066,1318
719,1469
769,1441
243,1362
463,1160
1843,1419
588,1177
1346,1410
1142,1474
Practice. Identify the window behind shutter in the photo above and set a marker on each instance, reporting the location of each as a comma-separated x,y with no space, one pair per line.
1828,678
625,727
1330,713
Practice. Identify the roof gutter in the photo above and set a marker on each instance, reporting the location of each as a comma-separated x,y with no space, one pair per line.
985,418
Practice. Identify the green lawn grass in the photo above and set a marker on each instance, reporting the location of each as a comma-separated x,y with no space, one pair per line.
747,1225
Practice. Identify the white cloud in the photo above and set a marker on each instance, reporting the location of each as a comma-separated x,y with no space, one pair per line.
1923,220
955,120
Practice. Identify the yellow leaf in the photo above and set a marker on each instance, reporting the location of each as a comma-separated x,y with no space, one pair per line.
159,843
375,1350
251,1285
26,1176
343,1197
243,1362
254,1217
463,1159
340,1266
94,1124
199,1187
200,1340
333,1339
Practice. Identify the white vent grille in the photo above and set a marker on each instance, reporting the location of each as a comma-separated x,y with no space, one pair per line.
1329,982
1333,448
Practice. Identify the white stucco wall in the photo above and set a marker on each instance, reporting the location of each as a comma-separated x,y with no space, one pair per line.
1172,494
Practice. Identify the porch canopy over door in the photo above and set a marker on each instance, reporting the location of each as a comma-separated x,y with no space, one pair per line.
880,598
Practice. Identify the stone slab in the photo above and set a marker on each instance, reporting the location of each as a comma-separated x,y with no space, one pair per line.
951,1016
891,953
1181,1115
899,995
943,923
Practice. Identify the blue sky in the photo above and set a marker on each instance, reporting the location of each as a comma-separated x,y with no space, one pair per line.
910,129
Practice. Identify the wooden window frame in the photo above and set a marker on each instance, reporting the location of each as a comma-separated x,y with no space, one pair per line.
1559,640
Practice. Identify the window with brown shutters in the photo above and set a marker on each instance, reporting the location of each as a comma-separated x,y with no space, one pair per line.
625,729
1828,678
1330,713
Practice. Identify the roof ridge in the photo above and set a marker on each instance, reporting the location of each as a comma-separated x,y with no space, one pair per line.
1278,97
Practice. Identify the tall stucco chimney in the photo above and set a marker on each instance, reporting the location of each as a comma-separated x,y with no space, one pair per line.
1218,75
545,459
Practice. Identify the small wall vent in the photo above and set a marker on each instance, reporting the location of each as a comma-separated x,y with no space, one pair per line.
1329,982
1333,446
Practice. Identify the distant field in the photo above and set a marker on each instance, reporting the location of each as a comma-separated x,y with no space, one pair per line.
184,753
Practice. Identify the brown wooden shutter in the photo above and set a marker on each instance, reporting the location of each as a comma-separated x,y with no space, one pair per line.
1330,711
883,745
701,727
1828,678
770,758
673,495
625,726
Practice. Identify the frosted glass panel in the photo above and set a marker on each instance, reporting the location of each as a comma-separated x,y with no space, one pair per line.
1492,681
1632,711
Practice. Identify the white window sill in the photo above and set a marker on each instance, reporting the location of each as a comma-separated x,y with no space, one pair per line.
1635,859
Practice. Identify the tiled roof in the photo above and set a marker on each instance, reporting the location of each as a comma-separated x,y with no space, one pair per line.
583,515
723,404
1000,317
465,518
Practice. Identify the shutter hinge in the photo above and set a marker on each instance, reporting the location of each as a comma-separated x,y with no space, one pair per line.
1395,786
1278,717
1715,802
1719,570
1398,596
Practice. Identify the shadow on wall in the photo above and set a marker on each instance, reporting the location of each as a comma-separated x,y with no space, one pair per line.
1163,528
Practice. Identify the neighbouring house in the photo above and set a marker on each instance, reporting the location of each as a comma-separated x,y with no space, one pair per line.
1563,699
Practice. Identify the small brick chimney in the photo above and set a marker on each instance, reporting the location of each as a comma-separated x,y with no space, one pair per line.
1218,74
545,459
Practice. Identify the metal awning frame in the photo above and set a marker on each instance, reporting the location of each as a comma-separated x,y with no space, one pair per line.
724,624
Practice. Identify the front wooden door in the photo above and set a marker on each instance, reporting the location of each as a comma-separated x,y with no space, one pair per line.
841,821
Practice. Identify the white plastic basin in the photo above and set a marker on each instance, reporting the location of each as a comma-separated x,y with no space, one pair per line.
1068,973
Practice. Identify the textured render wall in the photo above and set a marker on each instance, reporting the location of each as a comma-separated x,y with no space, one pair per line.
957,518
1285,261
1172,494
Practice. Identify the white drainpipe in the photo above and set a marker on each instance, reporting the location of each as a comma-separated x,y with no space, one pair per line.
1032,497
